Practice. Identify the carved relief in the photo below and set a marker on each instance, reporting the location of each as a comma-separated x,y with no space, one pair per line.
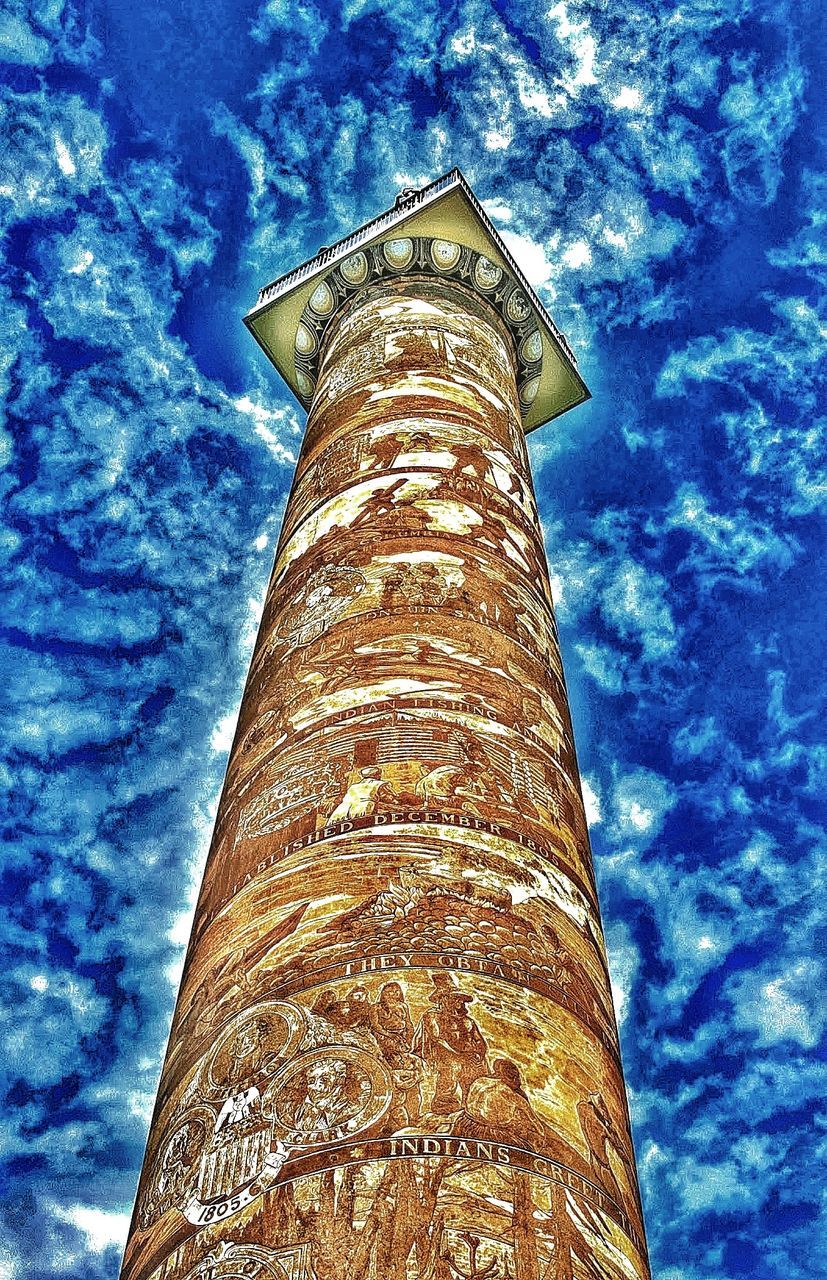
412,504
474,460
394,1054
414,754
472,272
448,1218
426,1052
253,1262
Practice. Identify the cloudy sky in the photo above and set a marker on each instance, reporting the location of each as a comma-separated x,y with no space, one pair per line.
654,167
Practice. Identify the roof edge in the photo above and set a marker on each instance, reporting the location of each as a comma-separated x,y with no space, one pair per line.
409,204
405,205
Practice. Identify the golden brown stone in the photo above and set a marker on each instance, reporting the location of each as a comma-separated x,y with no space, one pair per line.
394,1054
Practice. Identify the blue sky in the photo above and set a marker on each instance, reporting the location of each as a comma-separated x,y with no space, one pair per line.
655,169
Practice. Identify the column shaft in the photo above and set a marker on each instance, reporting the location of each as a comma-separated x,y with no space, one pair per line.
394,1054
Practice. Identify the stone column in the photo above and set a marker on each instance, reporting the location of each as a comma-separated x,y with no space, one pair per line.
394,1054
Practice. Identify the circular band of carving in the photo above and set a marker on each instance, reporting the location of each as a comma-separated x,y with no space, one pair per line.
420,255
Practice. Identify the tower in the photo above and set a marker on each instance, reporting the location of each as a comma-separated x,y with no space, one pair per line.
394,1053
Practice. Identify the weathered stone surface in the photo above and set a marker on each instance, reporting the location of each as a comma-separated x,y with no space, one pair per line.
394,1054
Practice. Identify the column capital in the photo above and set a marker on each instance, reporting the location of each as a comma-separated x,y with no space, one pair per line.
441,232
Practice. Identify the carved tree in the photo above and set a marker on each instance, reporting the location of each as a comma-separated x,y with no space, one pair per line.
403,1231
485,1271
569,1243
560,1267
436,1266
527,1265
403,1227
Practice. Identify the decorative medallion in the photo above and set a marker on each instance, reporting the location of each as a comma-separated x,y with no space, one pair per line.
532,347
254,1046
280,1080
517,308
177,1163
305,340
305,383
445,254
528,391
355,268
329,1094
398,253
487,275
322,300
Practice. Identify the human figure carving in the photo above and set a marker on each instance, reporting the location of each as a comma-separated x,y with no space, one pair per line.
361,796
450,1043
325,1103
469,457
353,1012
391,1022
599,1131
447,782
385,450
403,516
393,1031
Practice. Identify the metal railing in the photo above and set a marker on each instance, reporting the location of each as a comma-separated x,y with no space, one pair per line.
343,248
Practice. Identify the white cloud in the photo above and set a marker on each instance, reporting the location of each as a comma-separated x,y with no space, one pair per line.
582,45
641,801
463,44
498,210
498,139
222,735
273,426
252,150
733,544
577,255
785,1006
704,1186
697,738
624,965
64,157
763,113
635,602
617,239
103,1228
10,1264
765,374
20,44
530,257
591,801
604,665
627,98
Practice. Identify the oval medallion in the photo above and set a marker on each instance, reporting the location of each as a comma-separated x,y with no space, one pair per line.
487,274
355,268
328,1094
305,340
255,1045
528,391
532,347
517,308
321,299
445,254
305,384
398,253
